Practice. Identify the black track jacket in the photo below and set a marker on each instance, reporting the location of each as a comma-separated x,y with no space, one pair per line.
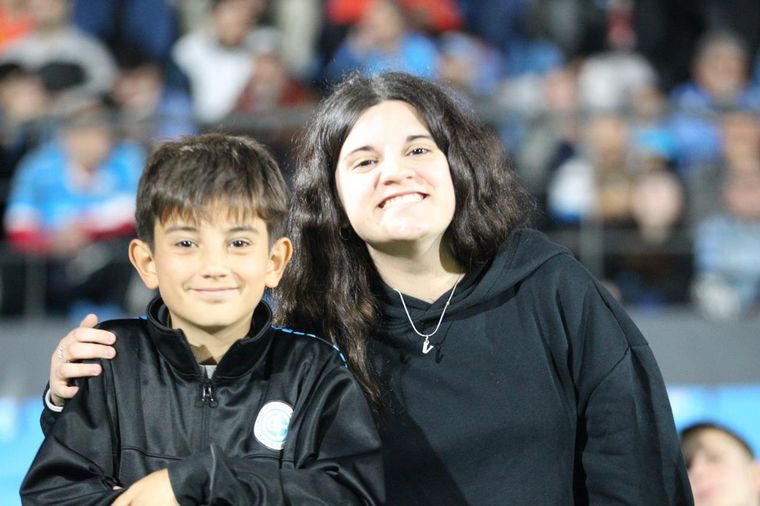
282,421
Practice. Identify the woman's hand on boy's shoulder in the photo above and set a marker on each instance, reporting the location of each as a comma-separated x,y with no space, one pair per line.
84,342
152,490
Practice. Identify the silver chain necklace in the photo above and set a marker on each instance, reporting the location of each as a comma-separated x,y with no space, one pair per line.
426,346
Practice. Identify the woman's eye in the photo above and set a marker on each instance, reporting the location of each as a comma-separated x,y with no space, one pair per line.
364,163
419,151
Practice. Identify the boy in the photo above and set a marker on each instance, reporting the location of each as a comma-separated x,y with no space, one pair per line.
722,466
207,402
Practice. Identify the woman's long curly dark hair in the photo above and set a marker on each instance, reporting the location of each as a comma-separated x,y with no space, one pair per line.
331,284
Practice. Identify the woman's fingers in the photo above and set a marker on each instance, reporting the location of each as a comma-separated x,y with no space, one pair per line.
82,343
78,350
72,370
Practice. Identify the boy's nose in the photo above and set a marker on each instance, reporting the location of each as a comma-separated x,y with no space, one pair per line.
214,264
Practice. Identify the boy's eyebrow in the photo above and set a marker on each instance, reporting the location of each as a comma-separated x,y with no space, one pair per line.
409,138
181,228
231,230
243,228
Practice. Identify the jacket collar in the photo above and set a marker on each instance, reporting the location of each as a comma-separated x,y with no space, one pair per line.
242,356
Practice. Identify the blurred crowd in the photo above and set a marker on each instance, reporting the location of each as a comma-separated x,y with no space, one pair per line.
635,123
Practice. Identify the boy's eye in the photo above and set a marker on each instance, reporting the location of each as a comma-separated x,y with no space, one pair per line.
185,244
240,243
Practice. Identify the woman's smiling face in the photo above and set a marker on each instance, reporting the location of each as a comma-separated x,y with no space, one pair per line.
393,180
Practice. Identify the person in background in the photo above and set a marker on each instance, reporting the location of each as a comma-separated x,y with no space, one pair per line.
720,83
723,469
468,65
739,134
595,184
55,39
382,40
151,110
24,102
72,202
727,283
217,59
273,105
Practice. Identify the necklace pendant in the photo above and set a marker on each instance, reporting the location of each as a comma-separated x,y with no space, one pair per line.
426,346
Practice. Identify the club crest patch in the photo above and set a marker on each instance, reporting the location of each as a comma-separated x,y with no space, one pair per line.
271,427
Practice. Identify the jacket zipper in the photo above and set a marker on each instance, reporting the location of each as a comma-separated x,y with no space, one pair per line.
206,398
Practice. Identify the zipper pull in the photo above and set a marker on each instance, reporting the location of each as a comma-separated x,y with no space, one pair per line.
206,395
209,394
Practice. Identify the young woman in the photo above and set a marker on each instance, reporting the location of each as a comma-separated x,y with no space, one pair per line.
501,371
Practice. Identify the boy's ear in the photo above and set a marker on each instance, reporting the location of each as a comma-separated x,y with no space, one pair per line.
279,256
142,259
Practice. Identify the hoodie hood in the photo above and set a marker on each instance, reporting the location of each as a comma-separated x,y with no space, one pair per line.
524,251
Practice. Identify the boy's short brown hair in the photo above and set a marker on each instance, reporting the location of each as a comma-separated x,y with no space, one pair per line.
193,176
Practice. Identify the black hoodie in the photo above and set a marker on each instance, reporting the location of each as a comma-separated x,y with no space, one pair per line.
539,391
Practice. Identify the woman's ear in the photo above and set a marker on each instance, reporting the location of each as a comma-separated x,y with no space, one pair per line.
279,256
141,257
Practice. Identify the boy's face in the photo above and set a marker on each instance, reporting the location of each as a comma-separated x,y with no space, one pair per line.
721,472
211,274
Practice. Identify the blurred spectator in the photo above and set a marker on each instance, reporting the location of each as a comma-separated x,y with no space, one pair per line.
720,83
723,470
468,65
609,80
551,136
528,56
270,87
15,21
726,250
73,202
381,41
271,106
650,262
55,40
23,106
300,22
622,186
648,110
596,182
149,109
148,26
740,152
218,59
